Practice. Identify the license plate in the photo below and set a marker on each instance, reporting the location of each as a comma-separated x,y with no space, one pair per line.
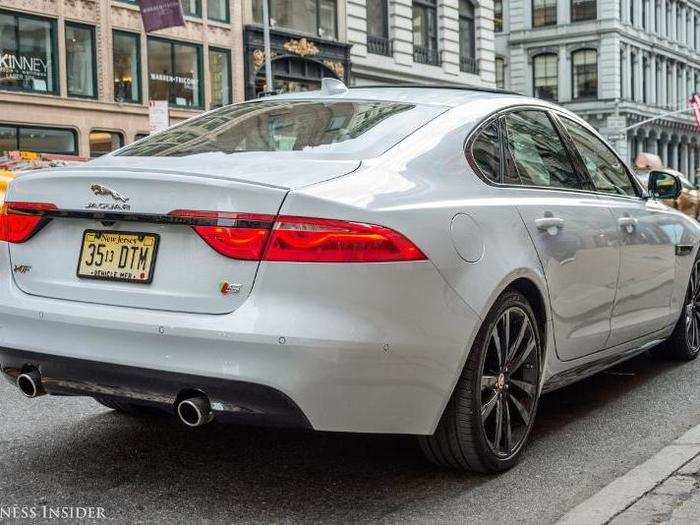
118,256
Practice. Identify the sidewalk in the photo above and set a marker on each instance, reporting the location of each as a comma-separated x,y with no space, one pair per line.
664,489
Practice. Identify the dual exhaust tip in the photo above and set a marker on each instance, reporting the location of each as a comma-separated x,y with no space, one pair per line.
29,384
192,411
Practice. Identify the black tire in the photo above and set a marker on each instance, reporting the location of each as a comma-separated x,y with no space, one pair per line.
119,406
684,343
462,440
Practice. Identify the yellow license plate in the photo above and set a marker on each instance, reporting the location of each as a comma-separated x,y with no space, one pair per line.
118,256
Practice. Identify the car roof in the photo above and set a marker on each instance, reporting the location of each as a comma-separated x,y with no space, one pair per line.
416,94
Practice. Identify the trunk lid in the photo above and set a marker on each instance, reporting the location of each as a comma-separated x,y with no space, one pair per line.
187,274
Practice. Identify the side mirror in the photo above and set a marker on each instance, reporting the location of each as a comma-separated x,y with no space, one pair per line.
663,185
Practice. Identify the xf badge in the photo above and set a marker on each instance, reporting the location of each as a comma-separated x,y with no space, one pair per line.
21,268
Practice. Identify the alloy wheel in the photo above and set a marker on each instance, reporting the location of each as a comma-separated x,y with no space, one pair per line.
510,381
692,310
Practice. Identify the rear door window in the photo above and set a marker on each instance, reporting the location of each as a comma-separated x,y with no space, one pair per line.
486,151
606,171
538,153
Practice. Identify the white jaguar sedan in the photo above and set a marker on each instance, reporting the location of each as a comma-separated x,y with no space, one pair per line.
394,260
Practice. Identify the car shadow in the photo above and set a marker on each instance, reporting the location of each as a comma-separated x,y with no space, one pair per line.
273,475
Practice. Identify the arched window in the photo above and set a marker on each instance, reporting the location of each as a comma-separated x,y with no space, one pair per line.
467,37
585,73
546,76
583,10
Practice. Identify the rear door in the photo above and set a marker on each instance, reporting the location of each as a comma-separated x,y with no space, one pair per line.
570,229
648,233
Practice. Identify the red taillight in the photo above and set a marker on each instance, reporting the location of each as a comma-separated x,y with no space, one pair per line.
298,239
235,235
303,239
20,220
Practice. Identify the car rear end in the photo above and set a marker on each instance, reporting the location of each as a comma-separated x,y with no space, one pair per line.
207,263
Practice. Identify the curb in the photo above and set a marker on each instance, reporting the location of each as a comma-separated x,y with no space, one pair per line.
627,489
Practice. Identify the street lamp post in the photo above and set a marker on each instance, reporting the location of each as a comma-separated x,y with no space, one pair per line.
269,88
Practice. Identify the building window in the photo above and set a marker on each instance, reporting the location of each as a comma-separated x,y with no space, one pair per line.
633,76
585,73
498,16
669,20
39,140
544,13
546,76
645,80
316,17
467,37
103,142
500,73
622,75
27,50
80,60
140,136
220,77
218,10
657,17
425,32
192,8
127,66
583,10
378,28
174,72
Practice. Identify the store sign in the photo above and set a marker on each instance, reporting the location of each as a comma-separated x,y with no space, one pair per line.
159,14
170,79
158,116
22,67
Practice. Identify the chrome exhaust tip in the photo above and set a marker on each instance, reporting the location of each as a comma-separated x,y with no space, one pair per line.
30,384
195,411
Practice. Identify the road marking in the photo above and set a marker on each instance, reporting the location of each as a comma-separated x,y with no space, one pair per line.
627,489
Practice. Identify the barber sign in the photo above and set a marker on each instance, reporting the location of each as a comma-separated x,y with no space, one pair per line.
695,104
159,14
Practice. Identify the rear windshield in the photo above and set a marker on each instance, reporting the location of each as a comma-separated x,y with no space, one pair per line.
333,129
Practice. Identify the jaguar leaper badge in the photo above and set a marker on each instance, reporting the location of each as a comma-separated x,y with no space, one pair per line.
98,189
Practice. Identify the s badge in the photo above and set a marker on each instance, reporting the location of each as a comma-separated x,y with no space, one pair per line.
227,288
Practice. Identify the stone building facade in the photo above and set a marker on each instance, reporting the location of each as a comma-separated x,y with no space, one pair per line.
614,62
447,42
76,76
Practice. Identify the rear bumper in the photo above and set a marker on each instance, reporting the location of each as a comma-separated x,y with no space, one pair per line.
356,348
231,401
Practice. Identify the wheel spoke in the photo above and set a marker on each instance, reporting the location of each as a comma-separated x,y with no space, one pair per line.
488,382
488,407
522,411
499,425
528,388
506,331
497,343
508,426
518,340
523,356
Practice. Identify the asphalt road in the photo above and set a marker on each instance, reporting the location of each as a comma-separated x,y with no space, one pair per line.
73,452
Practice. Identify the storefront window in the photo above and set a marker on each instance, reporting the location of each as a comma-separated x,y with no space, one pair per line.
218,10
103,142
27,53
220,77
316,17
127,67
174,72
38,140
80,60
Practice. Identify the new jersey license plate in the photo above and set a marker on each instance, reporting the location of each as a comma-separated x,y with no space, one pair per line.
118,256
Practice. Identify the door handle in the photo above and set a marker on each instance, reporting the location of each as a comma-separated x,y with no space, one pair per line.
549,224
627,223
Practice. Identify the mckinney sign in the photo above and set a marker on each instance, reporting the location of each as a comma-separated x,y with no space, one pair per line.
29,67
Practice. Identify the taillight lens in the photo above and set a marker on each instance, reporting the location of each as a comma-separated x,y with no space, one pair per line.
19,221
255,237
303,239
235,235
